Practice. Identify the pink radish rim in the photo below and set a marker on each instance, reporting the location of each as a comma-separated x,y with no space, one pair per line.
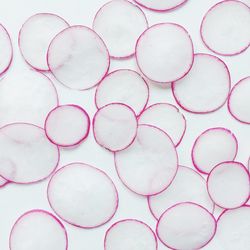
6,182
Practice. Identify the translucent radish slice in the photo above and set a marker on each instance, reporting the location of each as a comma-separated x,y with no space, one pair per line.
124,86
186,226
150,163
35,36
166,117
120,23
115,126
38,229
3,182
164,52
130,234
26,155
82,195
78,58
206,87
225,28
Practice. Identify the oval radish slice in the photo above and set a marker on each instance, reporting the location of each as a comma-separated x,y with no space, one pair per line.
82,195
186,226
78,58
164,52
3,182
149,164
38,229
206,87
225,28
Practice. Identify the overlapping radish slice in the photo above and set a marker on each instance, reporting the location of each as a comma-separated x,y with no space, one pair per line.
149,164
38,229
206,87
3,182
82,195
78,58
225,28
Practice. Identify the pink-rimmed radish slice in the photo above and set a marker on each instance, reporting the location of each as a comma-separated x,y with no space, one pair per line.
120,23
164,52
123,86
26,154
186,226
166,117
149,164
130,234
38,229
3,182
35,36
225,28
78,58
213,146
205,88
82,195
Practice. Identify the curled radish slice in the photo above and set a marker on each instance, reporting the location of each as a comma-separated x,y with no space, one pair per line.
150,163
82,195
78,58
3,182
120,23
164,52
38,229
206,87
225,28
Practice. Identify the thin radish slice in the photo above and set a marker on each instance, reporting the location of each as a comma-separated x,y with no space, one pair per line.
123,86
115,126
186,226
26,155
164,52
120,23
82,195
150,163
166,117
3,182
225,28
206,87
130,234
40,230
78,58
35,36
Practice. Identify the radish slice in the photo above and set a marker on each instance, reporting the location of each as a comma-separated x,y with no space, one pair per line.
120,23
130,234
82,195
35,36
124,86
225,28
186,226
67,125
26,155
212,147
3,182
149,164
206,87
164,52
38,229
78,58
166,117
115,126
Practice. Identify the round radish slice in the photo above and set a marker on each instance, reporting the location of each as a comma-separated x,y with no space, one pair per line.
130,234
35,36
150,163
115,126
3,182
82,195
164,52
166,117
212,147
225,28
120,23
123,86
38,229
78,58
26,155
186,226
206,87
